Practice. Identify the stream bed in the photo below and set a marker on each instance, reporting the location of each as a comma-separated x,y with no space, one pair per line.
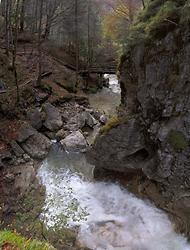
106,215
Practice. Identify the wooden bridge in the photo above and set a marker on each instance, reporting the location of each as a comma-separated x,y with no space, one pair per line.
100,69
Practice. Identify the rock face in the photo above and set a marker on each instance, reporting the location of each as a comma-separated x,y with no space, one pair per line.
75,142
155,84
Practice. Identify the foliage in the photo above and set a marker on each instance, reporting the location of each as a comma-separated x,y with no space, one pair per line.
177,140
113,122
185,13
155,21
18,242
116,23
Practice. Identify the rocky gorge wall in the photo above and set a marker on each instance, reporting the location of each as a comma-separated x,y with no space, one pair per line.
151,140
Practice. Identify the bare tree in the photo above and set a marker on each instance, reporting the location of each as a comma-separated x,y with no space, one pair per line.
76,41
14,50
22,15
40,44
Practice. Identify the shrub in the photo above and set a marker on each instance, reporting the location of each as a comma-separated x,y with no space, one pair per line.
16,241
112,123
177,140
155,21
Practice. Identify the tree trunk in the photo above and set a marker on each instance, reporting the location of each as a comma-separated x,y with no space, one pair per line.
14,52
76,41
40,45
22,16
7,25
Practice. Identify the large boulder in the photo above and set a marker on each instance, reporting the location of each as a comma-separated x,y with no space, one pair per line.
37,146
121,149
53,120
75,142
33,143
81,120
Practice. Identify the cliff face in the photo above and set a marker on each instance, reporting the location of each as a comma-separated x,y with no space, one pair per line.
154,137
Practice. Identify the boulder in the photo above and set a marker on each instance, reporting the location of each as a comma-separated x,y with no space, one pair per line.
53,120
37,146
35,118
75,142
127,152
89,120
24,177
25,132
80,121
61,134
75,123
103,119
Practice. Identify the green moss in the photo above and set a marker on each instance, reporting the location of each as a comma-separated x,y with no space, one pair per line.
155,21
16,241
112,123
185,14
177,140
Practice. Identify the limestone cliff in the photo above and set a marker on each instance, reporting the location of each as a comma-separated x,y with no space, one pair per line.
154,137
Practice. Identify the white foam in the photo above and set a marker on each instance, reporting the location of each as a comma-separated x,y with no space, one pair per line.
108,216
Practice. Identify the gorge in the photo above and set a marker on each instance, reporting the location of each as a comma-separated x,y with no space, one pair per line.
91,160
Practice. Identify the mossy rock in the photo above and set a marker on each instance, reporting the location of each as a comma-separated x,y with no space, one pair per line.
113,122
177,140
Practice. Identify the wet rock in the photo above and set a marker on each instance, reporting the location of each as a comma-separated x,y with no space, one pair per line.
24,177
16,148
75,142
53,120
35,118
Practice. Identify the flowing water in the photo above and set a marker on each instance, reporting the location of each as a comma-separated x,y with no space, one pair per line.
107,216
107,99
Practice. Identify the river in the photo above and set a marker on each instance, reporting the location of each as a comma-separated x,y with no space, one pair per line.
107,216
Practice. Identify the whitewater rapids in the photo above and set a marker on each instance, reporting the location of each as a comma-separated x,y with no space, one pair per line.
108,216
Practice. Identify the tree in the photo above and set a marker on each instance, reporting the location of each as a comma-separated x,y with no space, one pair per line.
22,15
14,50
40,44
76,41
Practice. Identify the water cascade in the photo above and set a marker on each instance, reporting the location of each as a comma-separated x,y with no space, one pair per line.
106,215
